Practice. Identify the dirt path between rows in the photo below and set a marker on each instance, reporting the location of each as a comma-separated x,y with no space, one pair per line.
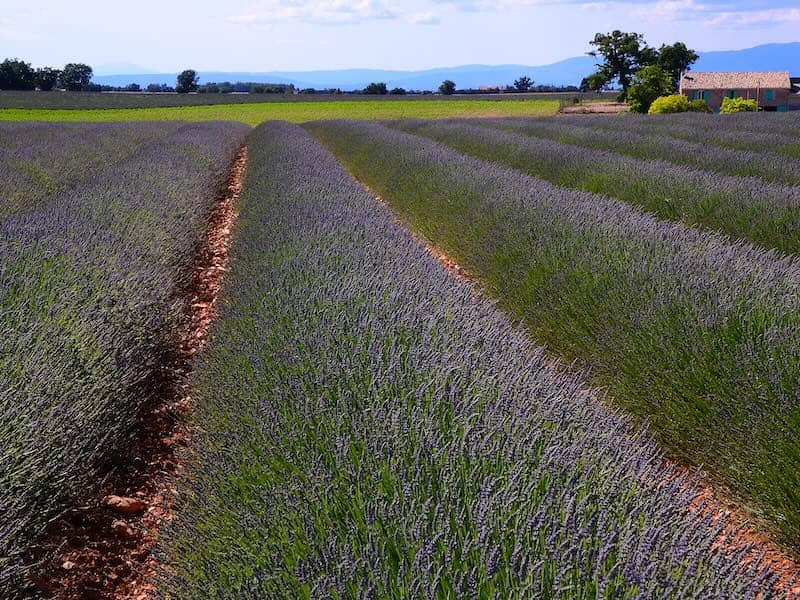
738,535
105,550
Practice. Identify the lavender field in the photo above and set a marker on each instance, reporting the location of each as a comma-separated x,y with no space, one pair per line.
487,358
375,430
88,276
765,213
39,159
692,331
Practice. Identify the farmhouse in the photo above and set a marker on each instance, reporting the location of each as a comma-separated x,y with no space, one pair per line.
772,89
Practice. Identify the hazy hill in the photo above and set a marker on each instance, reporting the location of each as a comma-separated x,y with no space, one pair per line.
769,57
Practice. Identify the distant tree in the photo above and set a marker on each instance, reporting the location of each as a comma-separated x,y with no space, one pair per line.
523,84
596,82
623,55
398,91
676,60
16,75
75,77
648,83
47,78
447,88
159,87
308,91
376,89
132,87
187,81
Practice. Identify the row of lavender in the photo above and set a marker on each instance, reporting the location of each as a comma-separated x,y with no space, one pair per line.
40,159
696,155
778,134
694,334
372,429
87,310
767,214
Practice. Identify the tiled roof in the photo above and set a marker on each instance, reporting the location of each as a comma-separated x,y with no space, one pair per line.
735,80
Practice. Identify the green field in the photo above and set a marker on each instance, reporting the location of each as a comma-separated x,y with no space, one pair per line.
299,112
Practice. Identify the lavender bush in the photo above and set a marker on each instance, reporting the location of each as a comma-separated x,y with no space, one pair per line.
765,213
372,429
695,155
701,129
694,333
39,159
87,309
780,123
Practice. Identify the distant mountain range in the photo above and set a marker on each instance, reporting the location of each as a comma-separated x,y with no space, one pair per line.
769,57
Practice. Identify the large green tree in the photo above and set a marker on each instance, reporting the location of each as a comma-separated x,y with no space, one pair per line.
188,81
75,76
648,83
16,75
676,59
623,54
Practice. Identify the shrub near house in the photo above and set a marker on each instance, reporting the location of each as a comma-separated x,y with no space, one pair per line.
677,103
736,105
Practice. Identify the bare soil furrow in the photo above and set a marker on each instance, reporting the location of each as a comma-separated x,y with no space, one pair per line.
105,549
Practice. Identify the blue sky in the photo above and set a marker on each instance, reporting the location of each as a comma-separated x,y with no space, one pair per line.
267,35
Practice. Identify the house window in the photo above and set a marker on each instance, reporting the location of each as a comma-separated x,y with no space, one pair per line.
706,96
769,95
731,94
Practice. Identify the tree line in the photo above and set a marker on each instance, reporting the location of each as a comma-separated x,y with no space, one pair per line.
16,74
448,87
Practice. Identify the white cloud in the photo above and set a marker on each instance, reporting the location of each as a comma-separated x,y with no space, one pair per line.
493,5
329,12
597,5
426,18
669,10
775,16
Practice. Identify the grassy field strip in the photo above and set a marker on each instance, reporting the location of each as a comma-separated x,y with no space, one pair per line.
298,112
371,428
779,169
705,129
37,160
87,311
767,214
696,335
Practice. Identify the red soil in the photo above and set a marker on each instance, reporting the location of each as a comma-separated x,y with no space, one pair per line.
738,534
105,549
